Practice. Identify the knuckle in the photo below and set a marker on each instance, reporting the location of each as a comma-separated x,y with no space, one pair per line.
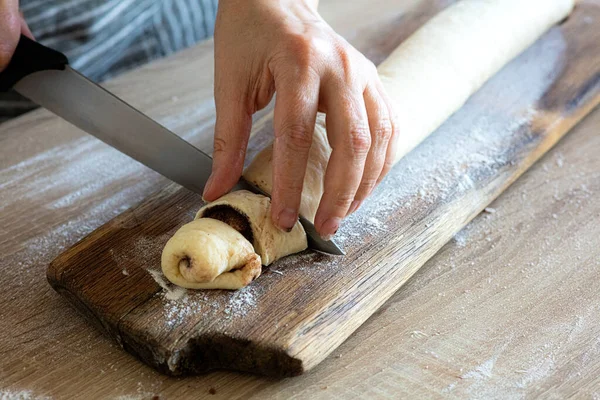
343,200
371,68
303,48
297,136
222,150
360,141
367,185
290,188
383,130
220,145
387,166
300,58
393,118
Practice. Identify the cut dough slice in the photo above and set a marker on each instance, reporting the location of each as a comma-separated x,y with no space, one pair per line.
250,214
428,78
209,254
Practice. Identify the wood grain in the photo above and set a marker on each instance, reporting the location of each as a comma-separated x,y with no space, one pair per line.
286,324
509,309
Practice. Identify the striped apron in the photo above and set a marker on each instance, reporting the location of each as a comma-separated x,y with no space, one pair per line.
103,38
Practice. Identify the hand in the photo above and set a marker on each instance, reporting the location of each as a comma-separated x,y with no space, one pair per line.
284,46
12,24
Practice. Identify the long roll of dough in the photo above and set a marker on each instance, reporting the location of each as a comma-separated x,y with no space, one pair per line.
428,78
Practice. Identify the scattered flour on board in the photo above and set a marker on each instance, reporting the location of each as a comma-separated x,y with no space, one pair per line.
550,335
143,396
179,303
461,238
83,163
171,292
374,222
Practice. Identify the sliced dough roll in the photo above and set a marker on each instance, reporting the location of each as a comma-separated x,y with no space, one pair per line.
224,246
250,214
209,254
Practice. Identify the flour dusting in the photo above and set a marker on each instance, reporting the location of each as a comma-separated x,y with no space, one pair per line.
481,371
179,304
20,395
171,292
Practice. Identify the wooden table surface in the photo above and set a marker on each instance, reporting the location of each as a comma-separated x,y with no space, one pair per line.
510,308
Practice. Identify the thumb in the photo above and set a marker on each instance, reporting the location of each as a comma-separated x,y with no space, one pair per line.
232,130
10,30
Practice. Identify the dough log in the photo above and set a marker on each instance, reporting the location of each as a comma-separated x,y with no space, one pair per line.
428,78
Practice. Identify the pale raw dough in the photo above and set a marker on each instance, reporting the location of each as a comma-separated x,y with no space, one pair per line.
268,241
260,173
428,78
434,72
209,254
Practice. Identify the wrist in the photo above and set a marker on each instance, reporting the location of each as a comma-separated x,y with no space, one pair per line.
290,4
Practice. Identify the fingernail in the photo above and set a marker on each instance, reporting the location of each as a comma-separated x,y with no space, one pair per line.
287,219
207,186
354,206
330,227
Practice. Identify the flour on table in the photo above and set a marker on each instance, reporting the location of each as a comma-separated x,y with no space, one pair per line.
538,343
20,395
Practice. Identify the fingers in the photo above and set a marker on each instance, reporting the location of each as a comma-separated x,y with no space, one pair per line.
380,127
294,122
25,28
394,141
350,139
232,130
10,30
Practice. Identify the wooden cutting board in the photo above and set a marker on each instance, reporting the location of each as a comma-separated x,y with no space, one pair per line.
305,305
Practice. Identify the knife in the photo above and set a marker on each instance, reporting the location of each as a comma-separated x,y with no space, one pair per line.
44,76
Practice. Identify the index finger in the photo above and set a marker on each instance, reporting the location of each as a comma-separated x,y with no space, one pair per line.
232,130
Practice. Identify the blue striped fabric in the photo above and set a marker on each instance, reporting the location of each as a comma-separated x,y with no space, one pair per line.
103,38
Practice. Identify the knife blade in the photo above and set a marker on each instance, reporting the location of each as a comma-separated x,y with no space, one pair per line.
76,99
91,108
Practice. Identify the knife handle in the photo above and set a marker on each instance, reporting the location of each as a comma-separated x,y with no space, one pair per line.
30,57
